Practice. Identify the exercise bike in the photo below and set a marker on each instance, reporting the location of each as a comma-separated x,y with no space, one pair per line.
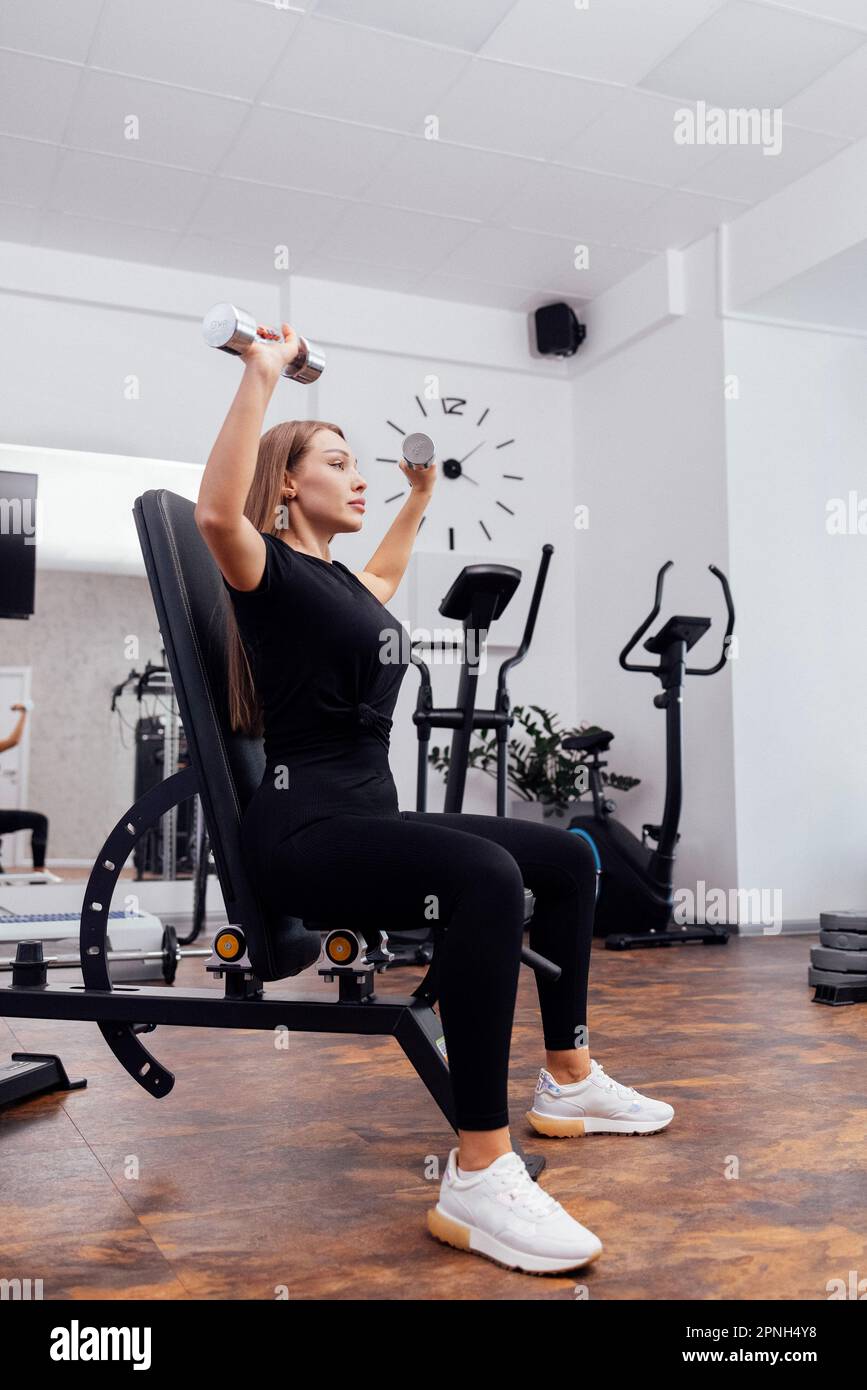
635,878
479,595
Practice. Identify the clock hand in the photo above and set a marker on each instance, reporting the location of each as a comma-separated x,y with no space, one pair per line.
469,479
472,451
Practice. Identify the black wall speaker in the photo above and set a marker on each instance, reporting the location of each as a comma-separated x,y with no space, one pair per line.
558,332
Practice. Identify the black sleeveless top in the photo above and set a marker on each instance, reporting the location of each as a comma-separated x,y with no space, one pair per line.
328,660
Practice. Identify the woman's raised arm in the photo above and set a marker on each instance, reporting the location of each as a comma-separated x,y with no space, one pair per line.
15,736
231,538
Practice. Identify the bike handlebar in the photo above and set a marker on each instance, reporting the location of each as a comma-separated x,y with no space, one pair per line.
654,613
730,609
529,626
651,617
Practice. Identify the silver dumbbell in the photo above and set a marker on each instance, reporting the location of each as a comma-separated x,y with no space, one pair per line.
418,451
232,330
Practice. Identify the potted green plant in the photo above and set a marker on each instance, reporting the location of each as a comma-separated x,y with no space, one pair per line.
545,777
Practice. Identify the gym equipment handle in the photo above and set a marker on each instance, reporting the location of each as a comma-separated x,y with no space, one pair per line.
730,609
540,964
529,626
651,617
654,613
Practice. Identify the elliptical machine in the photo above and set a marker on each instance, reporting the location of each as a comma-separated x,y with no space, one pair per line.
635,878
479,595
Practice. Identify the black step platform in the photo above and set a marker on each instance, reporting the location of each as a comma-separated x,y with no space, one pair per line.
32,1074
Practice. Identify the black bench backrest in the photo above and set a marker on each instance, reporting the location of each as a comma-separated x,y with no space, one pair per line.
191,603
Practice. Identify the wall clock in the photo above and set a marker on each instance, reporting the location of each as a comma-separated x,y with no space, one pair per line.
478,488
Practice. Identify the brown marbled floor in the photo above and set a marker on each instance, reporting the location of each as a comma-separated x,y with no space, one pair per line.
305,1167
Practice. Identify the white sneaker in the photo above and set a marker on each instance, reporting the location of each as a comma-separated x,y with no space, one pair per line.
596,1105
501,1213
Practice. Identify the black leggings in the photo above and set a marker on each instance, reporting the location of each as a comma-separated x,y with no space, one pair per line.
464,874
28,820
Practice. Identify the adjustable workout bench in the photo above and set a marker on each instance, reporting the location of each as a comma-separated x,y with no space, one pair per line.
256,947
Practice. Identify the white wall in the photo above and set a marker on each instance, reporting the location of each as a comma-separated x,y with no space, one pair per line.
83,334
797,438
649,441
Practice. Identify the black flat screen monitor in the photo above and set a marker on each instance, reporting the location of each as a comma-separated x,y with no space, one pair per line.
17,544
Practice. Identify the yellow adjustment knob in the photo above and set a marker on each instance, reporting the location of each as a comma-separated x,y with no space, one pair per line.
227,946
340,948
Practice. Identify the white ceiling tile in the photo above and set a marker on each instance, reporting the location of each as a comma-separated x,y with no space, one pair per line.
36,95
215,256
27,169
606,266
503,106
337,82
508,256
356,74
212,45
458,289
392,236
452,22
434,176
846,11
54,28
635,140
836,102
125,190
309,152
751,55
19,223
678,219
118,240
381,277
744,171
572,203
265,217
527,258
614,40
175,126
300,6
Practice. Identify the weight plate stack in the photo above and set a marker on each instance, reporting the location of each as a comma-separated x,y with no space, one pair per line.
838,965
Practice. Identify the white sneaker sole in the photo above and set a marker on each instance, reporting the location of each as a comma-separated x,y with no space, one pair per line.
463,1237
561,1127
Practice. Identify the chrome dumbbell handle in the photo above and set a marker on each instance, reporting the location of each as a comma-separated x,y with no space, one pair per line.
231,329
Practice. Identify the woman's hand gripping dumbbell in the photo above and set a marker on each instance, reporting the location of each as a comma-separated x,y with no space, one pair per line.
234,330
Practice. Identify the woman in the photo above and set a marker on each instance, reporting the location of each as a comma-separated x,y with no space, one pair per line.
316,662
34,821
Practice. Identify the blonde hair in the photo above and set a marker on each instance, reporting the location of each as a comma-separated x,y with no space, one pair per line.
281,450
